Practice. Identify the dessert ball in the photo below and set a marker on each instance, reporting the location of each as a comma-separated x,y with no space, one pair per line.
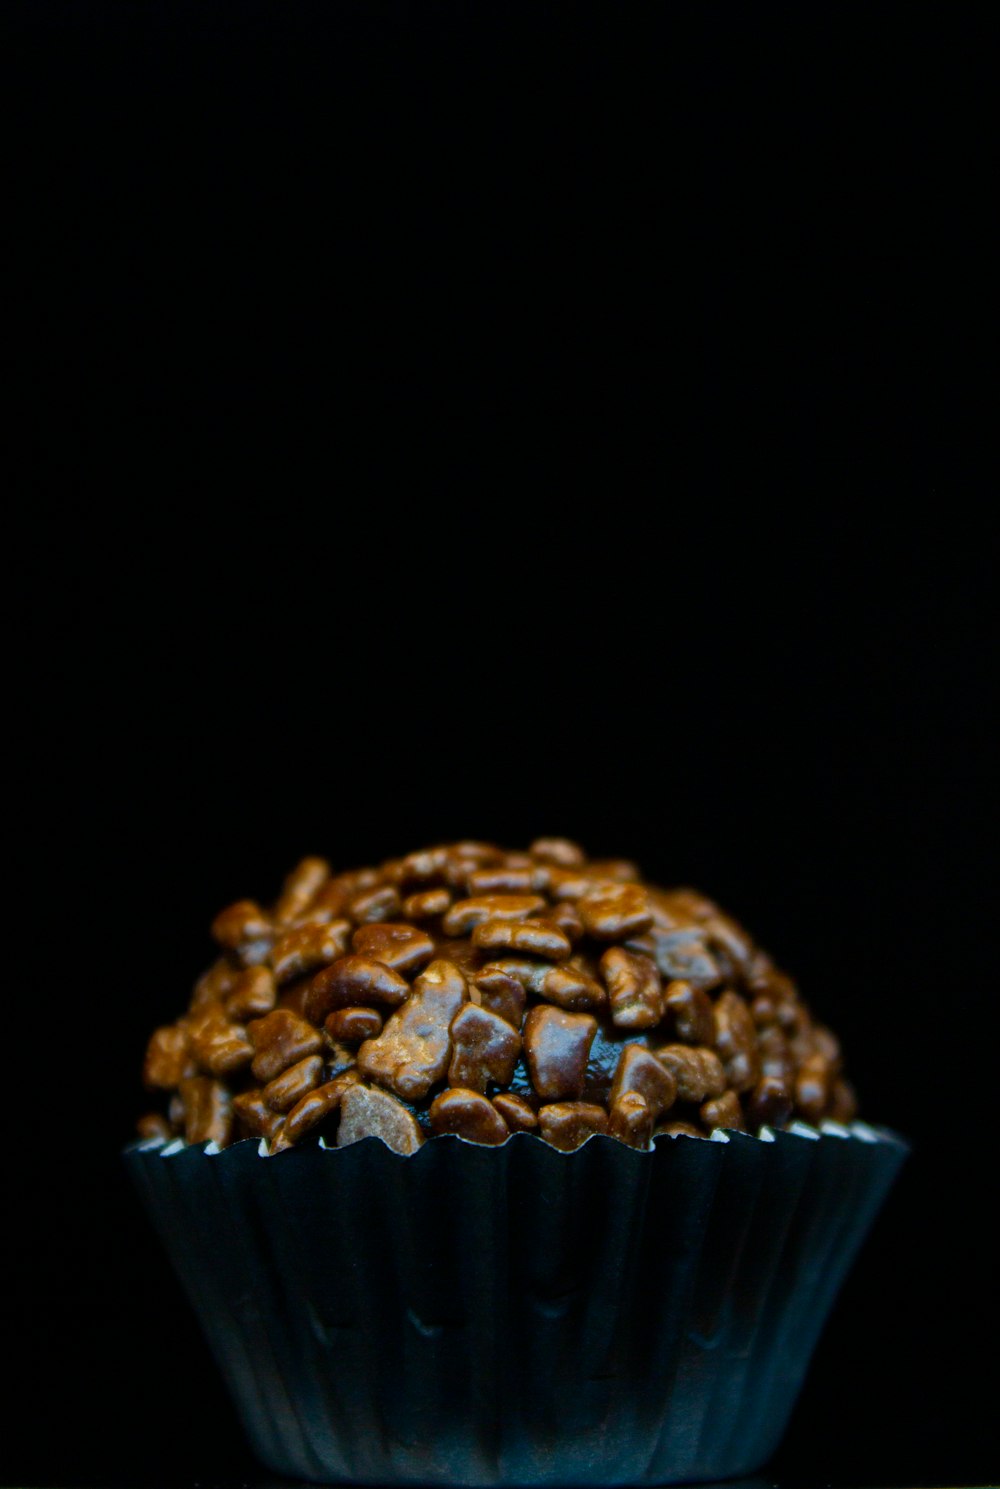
467,989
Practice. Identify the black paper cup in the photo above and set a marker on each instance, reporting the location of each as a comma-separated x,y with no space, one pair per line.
517,1315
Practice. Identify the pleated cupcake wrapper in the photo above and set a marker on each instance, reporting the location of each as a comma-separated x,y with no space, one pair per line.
517,1315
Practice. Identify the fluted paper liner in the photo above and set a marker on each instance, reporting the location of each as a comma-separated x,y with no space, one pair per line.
517,1315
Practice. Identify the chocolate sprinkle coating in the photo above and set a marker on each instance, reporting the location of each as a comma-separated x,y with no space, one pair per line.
549,993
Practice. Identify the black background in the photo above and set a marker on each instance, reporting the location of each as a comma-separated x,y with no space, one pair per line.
438,421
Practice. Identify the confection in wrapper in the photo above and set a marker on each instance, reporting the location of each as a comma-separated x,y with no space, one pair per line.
504,1169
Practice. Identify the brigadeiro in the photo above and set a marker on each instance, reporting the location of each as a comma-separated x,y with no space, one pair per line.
502,1168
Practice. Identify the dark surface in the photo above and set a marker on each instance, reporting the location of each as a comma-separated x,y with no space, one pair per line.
678,553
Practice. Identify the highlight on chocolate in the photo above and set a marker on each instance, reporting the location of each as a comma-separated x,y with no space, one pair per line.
467,989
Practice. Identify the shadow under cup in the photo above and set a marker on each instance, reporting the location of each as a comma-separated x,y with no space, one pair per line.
517,1315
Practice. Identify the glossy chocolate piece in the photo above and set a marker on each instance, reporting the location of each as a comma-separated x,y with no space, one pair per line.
557,1047
414,1049
469,1115
366,1111
484,1049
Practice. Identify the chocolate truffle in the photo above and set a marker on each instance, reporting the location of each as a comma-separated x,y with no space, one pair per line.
466,989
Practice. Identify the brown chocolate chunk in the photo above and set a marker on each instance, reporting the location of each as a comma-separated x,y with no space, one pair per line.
501,993
470,852
253,953
634,989
278,1142
683,956
526,878
371,905
564,914
484,1049
729,944
557,1047
351,982
736,1041
317,1105
463,954
568,1124
812,1088
571,986
292,1084
605,1053
697,1071
208,1110
365,1111
683,906
153,1125
252,994
691,1011
516,1112
404,948
169,1058
677,1129
215,984
426,904
530,973
631,1120
764,1011
239,923
775,1053
640,1072
353,1025
567,854
279,1040
253,1115
615,911
414,1049
536,937
330,903
469,1115
723,1111
465,915
307,947
821,1041
220,1047
571,883
770,1103
300,889
426,865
